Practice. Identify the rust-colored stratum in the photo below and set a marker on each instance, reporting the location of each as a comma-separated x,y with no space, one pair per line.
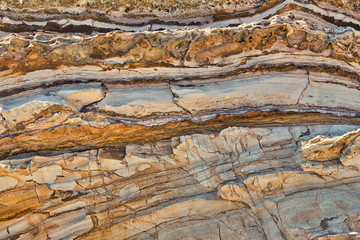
180,119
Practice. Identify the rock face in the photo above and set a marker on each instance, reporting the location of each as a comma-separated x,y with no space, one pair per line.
179,119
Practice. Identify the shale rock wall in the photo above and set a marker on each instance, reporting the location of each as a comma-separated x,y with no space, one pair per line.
180,119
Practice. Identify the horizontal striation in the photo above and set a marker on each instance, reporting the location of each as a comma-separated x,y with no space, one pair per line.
148,189
179,119
104,16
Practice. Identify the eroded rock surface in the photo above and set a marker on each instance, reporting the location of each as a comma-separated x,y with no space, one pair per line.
241,183
179,119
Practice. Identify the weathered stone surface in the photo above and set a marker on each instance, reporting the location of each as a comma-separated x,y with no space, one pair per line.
327,148
243,166
179,119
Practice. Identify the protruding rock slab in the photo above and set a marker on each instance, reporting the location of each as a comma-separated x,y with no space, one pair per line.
84,98
324,148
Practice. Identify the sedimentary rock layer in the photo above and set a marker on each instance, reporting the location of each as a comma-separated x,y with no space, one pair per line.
241,182
179,119
104,16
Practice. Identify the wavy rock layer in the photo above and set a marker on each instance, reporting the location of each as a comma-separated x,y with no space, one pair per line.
179,119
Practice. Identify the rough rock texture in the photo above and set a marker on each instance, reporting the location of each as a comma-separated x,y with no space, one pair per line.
179,119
